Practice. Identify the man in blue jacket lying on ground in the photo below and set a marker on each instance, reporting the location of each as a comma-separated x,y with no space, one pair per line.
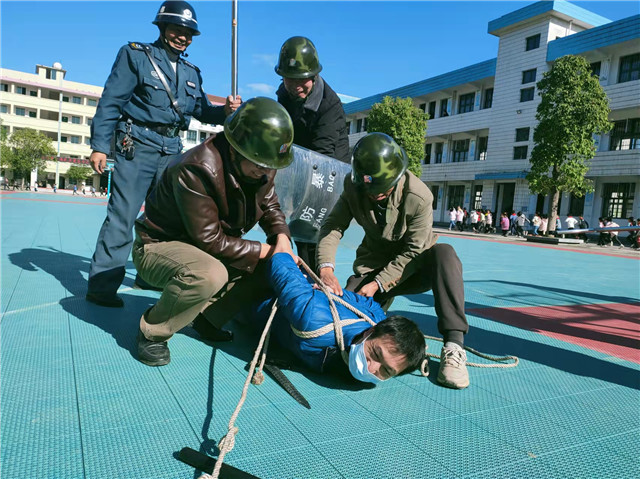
394,346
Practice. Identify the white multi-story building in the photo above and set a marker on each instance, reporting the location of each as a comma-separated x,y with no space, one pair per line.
480,132
47,102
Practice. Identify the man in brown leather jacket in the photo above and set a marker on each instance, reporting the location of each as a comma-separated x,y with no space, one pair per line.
189,240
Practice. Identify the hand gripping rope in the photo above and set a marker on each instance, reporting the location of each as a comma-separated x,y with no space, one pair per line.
257,377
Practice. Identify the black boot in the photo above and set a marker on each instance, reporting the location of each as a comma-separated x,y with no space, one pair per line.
153,353
209,332
110,301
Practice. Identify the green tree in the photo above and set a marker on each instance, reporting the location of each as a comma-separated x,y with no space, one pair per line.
5,151
79,173
25,151
405,123
573,108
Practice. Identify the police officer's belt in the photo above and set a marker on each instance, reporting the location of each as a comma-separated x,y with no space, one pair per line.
170,131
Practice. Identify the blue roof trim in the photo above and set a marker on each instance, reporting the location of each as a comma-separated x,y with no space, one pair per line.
513,175
539,8
594,38
468,74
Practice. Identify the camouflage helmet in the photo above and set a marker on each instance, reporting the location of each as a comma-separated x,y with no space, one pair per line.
298,59
177,13
378,163
261,131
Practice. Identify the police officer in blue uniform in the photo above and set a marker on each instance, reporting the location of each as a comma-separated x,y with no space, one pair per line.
149,97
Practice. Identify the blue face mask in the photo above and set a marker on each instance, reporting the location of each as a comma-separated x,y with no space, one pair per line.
358,365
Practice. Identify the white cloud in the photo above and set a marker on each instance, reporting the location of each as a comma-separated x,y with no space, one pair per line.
262,88
265,59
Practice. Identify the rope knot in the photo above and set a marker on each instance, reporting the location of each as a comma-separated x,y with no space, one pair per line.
258,378
228,441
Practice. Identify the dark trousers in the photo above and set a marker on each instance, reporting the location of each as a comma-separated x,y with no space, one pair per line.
307,253
438,269
131,181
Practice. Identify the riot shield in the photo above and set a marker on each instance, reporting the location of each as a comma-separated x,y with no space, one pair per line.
308,189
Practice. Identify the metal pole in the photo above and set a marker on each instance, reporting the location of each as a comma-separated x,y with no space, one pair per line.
234,48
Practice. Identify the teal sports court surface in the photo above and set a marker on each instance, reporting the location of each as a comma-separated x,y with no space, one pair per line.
77,404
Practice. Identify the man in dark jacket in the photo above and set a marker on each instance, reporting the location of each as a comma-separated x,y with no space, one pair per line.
189,240
316,111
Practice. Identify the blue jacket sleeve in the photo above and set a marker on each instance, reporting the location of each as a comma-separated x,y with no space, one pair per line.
295,294
117,92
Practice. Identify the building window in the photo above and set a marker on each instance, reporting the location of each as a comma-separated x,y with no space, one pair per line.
629,68
435,190
595,69
203,136
20,90
89,121
75,140
4,87
63,139
617,199
87,140
4,108
32,114
33,93
520,152
465,103
432,109
625,135
529,76
522,134
192,136
92,102
488,98
576,205
483,142
439,150
348,128
65,99
423,107
75,120
460,150
526,94
477,197
456,196
20,111
427,154
444,105
533,42
77,100
360,125
65,119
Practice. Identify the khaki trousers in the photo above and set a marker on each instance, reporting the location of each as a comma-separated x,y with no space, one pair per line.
192,282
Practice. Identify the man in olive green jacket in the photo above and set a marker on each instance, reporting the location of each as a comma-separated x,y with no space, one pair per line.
399,254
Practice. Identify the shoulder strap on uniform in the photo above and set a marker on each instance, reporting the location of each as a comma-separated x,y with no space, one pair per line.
163,80
138,46
191,65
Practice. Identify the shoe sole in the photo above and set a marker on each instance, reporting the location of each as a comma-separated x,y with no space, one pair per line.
106,304
155,363
444,382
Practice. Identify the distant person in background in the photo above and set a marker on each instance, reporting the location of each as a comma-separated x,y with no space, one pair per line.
583,225
543,225
536,222
55,188
512,221
504,224
459,219
613,235
521,221
452,219
474,221
75,189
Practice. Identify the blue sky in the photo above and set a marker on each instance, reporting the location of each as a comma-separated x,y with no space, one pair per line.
364,47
